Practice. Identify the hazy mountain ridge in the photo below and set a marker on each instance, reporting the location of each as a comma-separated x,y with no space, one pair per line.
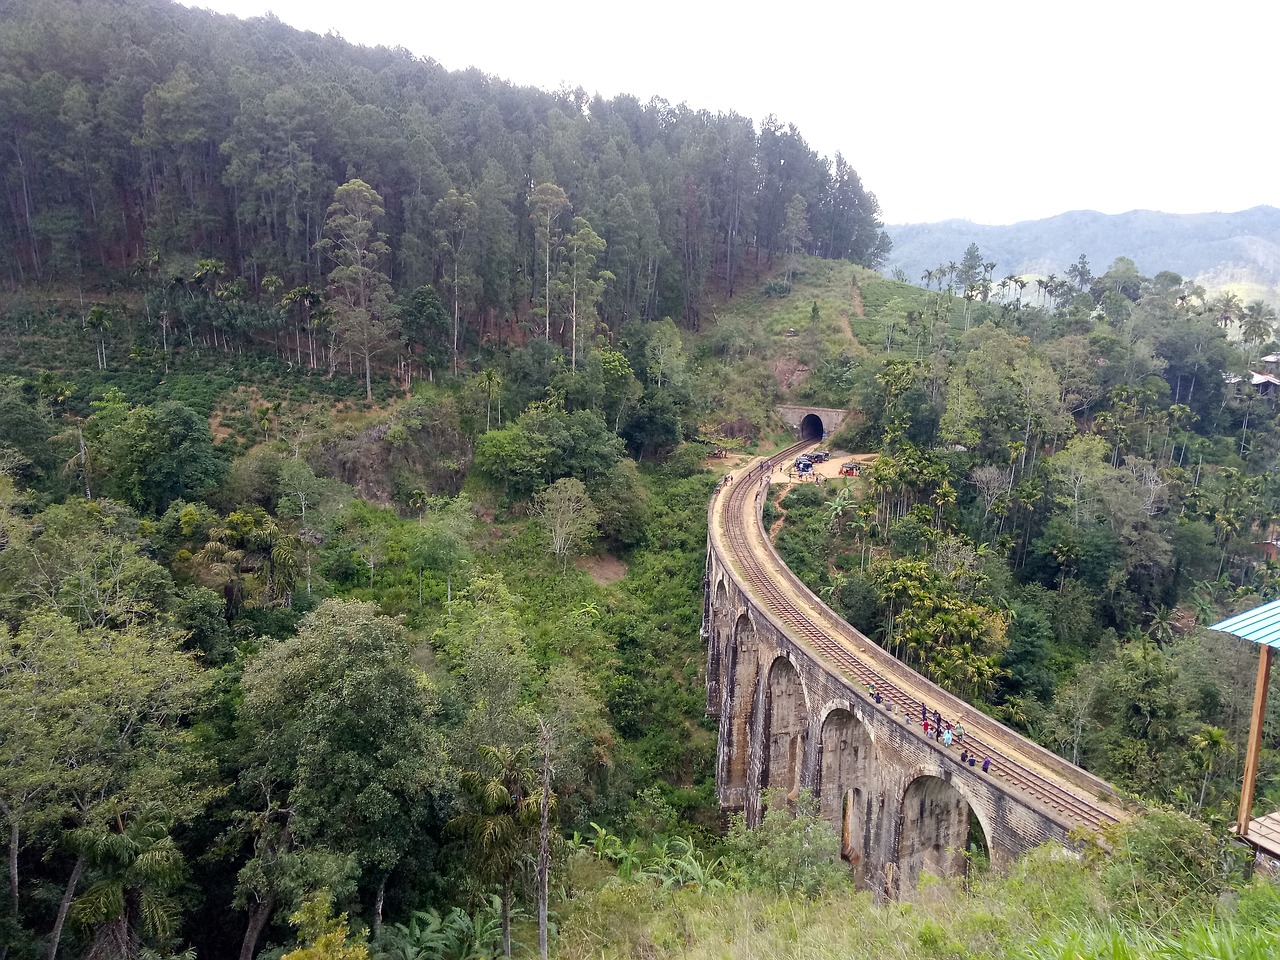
1241,248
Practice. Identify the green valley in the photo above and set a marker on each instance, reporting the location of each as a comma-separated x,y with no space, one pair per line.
358,425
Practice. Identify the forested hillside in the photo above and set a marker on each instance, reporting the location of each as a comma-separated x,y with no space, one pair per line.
144,137
358,421
1240,250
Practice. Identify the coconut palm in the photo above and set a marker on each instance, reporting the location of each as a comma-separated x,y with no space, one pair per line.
1258,322
491,380
1161,628
1210,744
1226,308
501,820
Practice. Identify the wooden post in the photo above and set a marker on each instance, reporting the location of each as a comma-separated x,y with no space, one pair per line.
1255,739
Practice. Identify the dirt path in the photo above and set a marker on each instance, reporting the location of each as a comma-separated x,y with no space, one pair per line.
859,311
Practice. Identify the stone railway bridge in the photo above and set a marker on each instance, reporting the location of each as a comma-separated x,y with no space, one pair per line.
788,680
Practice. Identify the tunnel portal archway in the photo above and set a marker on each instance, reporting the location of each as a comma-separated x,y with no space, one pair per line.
811,427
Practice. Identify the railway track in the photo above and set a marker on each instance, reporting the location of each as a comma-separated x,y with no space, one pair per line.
1025,767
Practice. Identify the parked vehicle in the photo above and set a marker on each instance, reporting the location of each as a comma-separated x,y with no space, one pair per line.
850,468
821,456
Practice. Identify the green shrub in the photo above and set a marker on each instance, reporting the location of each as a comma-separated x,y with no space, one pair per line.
792,851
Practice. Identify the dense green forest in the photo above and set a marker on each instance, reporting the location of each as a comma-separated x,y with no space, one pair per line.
144,137
358,421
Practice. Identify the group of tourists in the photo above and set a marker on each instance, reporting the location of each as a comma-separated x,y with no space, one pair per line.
935,728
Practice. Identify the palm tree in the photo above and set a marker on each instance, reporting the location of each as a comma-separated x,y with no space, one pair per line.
99,320
971,293
491,379
1210,743
1226,308
1161,629
137,868
502,819
1258,322
836,508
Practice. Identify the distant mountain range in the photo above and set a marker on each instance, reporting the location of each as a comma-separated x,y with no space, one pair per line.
1238,250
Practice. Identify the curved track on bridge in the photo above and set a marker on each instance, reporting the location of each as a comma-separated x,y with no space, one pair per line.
1070,795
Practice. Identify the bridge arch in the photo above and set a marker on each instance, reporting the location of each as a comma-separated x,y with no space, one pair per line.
786,728
719,679
738,667
845,778
934,827
811,427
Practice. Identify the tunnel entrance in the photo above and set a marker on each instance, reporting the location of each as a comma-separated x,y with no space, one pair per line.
811,427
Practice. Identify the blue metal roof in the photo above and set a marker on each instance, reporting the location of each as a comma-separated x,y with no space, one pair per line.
1261,624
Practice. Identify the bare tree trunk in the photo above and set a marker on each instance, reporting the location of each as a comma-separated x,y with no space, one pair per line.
573,312
84,462
455,313
258,918
544,834
506,917
13,854
63,906
377,908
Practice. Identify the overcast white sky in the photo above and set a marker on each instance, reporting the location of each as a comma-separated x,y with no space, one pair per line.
994,112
